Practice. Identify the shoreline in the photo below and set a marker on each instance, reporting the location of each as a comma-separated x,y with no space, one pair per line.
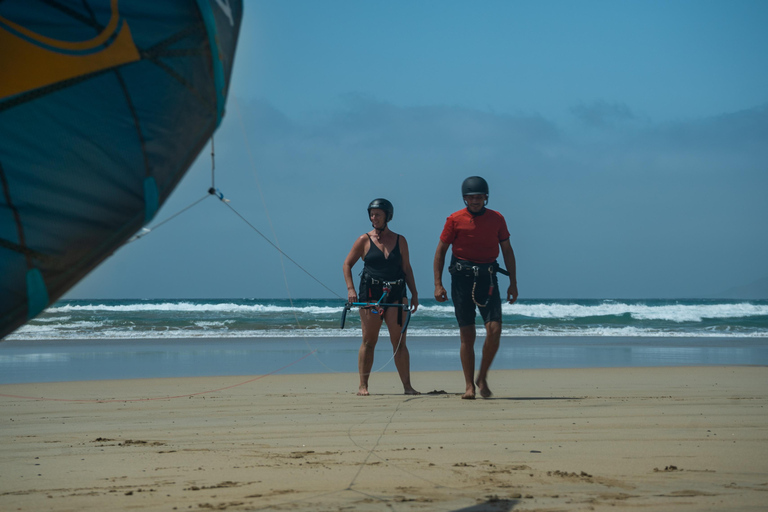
100,359
688,438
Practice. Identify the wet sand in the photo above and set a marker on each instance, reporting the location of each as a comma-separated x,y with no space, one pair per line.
682,438
99,359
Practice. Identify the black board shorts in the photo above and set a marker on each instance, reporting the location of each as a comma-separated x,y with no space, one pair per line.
463,305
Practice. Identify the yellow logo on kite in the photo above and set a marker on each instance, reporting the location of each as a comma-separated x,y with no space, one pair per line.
29,61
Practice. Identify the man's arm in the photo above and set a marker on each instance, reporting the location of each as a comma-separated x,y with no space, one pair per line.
442,248
509,261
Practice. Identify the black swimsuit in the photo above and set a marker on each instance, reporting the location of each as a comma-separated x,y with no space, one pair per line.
379,269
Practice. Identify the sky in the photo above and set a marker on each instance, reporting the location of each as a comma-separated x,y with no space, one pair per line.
625,142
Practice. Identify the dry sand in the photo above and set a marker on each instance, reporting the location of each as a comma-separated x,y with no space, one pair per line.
549,440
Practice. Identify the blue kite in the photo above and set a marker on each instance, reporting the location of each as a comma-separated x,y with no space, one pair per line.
103,108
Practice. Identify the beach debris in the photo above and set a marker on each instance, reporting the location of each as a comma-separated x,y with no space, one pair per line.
667,469
222,485
688,493
130,493
564,474
220,506
498,503
138,442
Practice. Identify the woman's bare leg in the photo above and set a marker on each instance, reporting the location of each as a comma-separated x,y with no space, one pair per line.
400,349
371,324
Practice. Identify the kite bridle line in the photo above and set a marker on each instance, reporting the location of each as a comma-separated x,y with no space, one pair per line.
213,191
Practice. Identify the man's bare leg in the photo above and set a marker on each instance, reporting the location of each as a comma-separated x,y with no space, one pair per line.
370,324
400,350
490,347
467,352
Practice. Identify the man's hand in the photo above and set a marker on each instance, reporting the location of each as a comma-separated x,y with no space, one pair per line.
512,293
440,294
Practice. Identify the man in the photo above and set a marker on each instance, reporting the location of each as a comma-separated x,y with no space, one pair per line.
476,234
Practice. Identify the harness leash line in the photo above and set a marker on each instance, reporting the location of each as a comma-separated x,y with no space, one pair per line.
462,266
490,287
373,452
370,452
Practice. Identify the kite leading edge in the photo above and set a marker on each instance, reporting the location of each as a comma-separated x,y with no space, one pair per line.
103,108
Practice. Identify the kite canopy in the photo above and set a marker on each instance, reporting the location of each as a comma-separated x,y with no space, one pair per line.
103,108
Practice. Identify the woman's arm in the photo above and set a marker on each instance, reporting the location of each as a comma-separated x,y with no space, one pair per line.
357,252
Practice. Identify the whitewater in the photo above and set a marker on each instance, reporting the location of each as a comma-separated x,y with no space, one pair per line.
254,318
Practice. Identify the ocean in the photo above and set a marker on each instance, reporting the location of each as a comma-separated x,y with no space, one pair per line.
97,339
258,318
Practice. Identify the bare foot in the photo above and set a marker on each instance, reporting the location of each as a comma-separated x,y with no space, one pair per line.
469,394
362,391
485,391
411,391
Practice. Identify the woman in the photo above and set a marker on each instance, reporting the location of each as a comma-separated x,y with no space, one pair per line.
387,265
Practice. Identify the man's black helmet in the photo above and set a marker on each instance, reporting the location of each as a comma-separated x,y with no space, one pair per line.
474,185
382,204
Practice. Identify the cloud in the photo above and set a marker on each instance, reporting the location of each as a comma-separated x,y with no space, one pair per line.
601,114
427,126
745,130
664,210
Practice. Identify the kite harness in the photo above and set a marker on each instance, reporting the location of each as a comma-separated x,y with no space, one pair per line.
380,306
475,270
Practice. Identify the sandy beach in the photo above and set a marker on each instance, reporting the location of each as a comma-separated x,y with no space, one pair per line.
692,438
